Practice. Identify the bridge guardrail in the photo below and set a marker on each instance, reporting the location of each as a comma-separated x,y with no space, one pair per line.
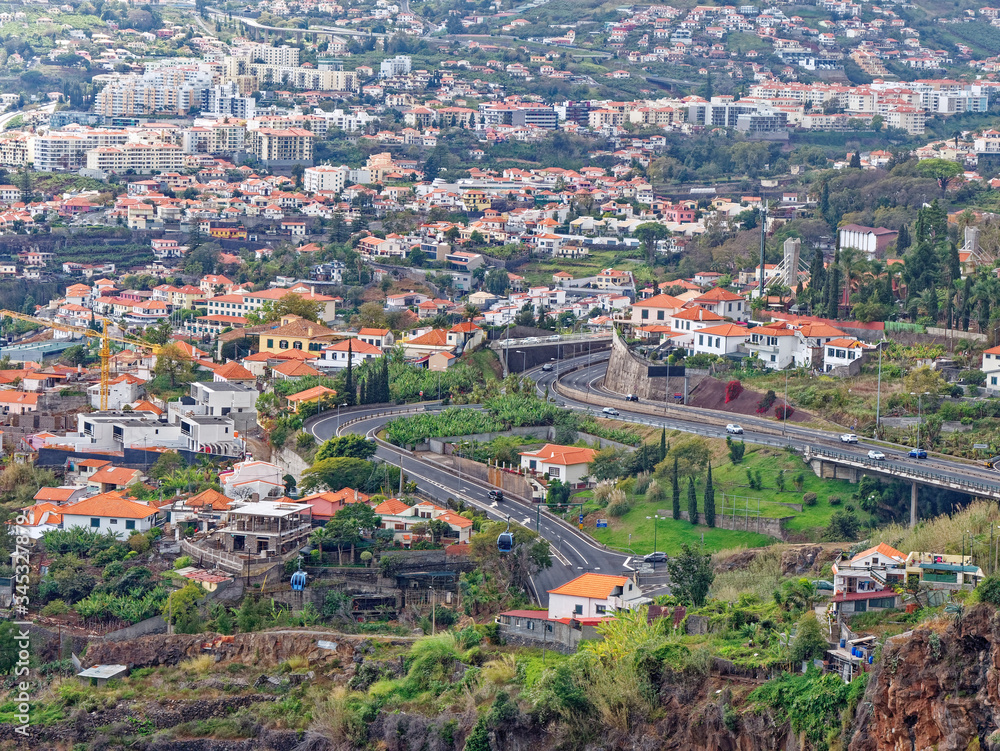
904,470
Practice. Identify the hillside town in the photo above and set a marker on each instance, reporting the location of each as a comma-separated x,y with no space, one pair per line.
448,376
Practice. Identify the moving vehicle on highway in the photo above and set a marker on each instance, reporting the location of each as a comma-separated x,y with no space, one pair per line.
734,428
918,454
632,398
876,455
547,367
657,557
848,438
496,495
610,411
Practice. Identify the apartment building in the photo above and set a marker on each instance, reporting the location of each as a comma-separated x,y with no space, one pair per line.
66,150
289,76
225,100
14,151
281,146
169,89
325,178
142,158
265,53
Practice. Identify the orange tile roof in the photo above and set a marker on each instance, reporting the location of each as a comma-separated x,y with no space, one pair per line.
819,329
294,369
209,497
36,514
309,394
63,493
110,505
697,313
18,397
455,520
357,347
433,338
725,329
850,343
553,453
718,294
594,586
391,507
93,463
660,301
373,332
145,406
882,549
114,476
233,371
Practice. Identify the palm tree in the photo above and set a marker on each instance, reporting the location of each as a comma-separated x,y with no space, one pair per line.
470,312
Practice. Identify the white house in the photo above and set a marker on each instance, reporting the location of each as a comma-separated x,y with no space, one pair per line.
34,521
381,338
991,367
125,389
569,464
655,309
870,570
401,518
335,355
842,352
724,303
593,596
249,477
777,348
721,340
110,512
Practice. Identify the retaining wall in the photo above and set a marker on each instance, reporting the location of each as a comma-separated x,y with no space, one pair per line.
762,525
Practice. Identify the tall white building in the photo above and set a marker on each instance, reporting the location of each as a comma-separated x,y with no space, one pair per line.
170,89
399,65
325,178
225,100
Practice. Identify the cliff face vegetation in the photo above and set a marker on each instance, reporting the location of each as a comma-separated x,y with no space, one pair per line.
935,687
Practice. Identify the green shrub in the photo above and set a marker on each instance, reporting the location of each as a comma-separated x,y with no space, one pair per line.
834,500
183,562
809,499
56,607
655,493
619,504
989,590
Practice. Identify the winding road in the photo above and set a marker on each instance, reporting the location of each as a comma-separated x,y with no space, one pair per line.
573,552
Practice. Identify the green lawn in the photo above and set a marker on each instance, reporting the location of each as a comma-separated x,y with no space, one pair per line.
729,480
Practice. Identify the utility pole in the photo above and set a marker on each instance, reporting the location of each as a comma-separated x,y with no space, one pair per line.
763,235
433,613
784,411
878,392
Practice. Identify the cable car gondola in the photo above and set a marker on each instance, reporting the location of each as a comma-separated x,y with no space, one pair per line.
299,578
505,542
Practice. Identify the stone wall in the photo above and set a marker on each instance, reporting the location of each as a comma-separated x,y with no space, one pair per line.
629,374
761,525
510,483
290,462
155,625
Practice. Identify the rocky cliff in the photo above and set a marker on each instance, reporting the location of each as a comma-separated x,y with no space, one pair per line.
935,688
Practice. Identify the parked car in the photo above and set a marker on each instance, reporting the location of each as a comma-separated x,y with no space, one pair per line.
734,428
553,338
610,411
657,557
876,455
547,367
918,454
632,398
496,495
849,438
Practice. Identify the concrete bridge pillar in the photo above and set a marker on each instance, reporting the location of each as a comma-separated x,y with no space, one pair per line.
913,505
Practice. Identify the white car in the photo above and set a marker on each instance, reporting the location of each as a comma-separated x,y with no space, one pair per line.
553,338
734,428
610,411
849,438
530,340
876,455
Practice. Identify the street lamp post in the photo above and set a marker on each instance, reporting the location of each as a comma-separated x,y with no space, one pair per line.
524,359
784,410
878,393
433,614
920,412
338,416
655,518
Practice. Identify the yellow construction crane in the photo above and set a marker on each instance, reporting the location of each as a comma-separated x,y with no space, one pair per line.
103,335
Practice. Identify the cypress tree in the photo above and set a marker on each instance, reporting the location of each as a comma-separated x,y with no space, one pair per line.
692,502
663,444
856,160
903,239
349,388
676,493
709,499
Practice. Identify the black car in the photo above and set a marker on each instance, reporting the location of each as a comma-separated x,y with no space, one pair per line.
632,398
496,495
